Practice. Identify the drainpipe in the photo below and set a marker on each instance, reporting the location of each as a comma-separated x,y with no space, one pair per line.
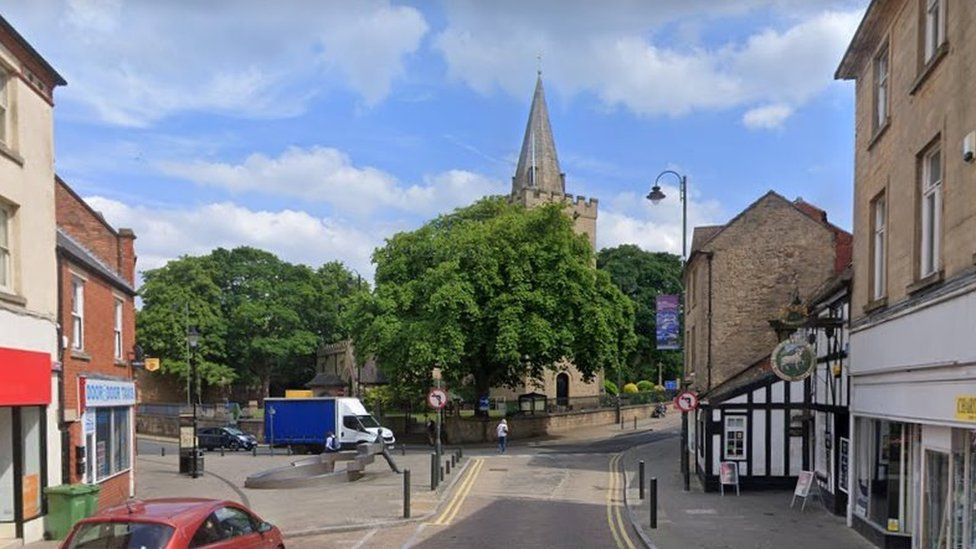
63,427
710,256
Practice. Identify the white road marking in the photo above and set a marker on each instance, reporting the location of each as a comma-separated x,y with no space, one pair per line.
369,535
413,538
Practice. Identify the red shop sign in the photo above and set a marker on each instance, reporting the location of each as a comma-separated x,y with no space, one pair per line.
25,378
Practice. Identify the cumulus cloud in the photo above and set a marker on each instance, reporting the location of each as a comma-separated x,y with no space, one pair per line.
612,53
167,233
766,117
136,62
327,175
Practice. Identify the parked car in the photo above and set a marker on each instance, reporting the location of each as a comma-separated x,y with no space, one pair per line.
174,523
231,438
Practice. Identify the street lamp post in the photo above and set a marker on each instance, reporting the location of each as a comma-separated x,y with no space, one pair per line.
656,196
192,339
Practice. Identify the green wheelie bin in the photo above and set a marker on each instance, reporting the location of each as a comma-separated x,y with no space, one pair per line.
67,504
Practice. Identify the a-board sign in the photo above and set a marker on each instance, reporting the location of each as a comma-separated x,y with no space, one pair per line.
728,474
803,483
844,467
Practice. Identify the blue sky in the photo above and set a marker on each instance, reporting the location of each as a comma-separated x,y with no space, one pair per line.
317,129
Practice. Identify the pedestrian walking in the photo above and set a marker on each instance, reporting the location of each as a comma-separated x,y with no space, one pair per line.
502,431
331,442
431,432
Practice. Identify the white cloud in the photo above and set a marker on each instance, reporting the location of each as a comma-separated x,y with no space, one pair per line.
612,53
167,233
631,219
134,63
767,117
327,175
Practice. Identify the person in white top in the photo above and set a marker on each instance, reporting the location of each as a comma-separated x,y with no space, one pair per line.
502,431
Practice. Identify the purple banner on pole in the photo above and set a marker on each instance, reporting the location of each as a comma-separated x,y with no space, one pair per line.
668,323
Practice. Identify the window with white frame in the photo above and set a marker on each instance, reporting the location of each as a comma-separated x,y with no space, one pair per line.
735,437
4,105
77,313
6,268
881,70
934,30
931,214
118,329
878,267
113,441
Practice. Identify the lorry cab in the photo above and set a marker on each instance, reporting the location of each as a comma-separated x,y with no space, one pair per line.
358,425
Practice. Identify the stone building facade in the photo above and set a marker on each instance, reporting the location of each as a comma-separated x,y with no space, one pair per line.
913,354
96,274
30,375
741,274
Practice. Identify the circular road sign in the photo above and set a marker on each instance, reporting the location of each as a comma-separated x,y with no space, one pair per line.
437,398
686,401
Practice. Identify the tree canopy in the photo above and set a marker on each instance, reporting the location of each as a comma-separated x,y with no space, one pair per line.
642,276
260,319
492,293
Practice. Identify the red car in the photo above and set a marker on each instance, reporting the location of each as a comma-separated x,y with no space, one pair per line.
174,523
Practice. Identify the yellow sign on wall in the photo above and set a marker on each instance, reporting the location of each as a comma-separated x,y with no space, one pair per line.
298,393
966,408
152,364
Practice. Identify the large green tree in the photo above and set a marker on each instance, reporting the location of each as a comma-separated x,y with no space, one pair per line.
642,276
491,293
261,319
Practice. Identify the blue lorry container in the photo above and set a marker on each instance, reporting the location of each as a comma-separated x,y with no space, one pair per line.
298,421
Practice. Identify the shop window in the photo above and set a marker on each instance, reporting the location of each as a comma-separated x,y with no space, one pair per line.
963,506
883,451
30,439
112,441
735,437
935,501
6,465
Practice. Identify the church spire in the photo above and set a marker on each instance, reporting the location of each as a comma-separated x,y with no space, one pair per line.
538,166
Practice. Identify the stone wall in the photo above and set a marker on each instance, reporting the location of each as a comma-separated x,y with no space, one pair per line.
473,430
169,426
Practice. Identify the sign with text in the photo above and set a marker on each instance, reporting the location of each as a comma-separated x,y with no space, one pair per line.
845,460
728,475
668,322
107,392
803,483
966,407
671,385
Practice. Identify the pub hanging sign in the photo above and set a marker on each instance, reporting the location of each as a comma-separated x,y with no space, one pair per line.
793,359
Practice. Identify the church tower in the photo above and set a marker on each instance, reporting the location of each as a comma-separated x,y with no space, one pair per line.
539,180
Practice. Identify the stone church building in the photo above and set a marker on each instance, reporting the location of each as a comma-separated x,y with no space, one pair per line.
539,180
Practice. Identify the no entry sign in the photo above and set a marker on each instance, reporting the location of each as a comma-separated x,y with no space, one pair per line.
686,401
437,398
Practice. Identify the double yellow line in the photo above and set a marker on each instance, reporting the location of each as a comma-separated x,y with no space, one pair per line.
617,525
462,492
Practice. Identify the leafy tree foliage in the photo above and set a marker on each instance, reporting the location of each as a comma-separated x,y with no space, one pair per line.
261,319
491,293
642,276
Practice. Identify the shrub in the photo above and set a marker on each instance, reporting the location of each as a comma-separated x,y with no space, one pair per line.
645,386
610,387
630,389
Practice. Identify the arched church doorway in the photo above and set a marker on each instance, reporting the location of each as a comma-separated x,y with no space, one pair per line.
562,389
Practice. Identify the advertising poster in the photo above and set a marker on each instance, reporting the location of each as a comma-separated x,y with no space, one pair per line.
668,323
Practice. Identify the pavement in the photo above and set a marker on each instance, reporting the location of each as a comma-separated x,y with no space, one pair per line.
752,520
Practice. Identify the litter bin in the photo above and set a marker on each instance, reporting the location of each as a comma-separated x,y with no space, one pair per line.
67,504
186,461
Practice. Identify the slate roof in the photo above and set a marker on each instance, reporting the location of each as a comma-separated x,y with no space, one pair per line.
83,255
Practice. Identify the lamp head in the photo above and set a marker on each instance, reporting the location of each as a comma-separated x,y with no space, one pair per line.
192,336
656,195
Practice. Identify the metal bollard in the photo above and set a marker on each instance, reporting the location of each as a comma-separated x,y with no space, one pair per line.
433,471
454,458
406,493
640,465
162,451
441,478
448,467
254,450
403,449
221,450
635,423
460,453
653,502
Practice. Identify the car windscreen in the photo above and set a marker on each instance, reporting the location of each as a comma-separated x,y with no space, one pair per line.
233,431
121,535
368,421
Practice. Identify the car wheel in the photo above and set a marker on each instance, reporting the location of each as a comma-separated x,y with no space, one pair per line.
234,445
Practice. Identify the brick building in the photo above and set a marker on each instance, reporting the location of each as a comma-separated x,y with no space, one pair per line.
738,277
96,281
30,456
913,354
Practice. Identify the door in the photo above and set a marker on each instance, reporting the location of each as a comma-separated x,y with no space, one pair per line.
562,389
935,500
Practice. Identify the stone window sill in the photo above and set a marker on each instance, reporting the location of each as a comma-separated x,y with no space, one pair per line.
9,153
876,304
928,281
929,67
13,298
120,363
882,129
80,355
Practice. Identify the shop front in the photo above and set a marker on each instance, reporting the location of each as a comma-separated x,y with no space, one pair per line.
25,394
108,437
